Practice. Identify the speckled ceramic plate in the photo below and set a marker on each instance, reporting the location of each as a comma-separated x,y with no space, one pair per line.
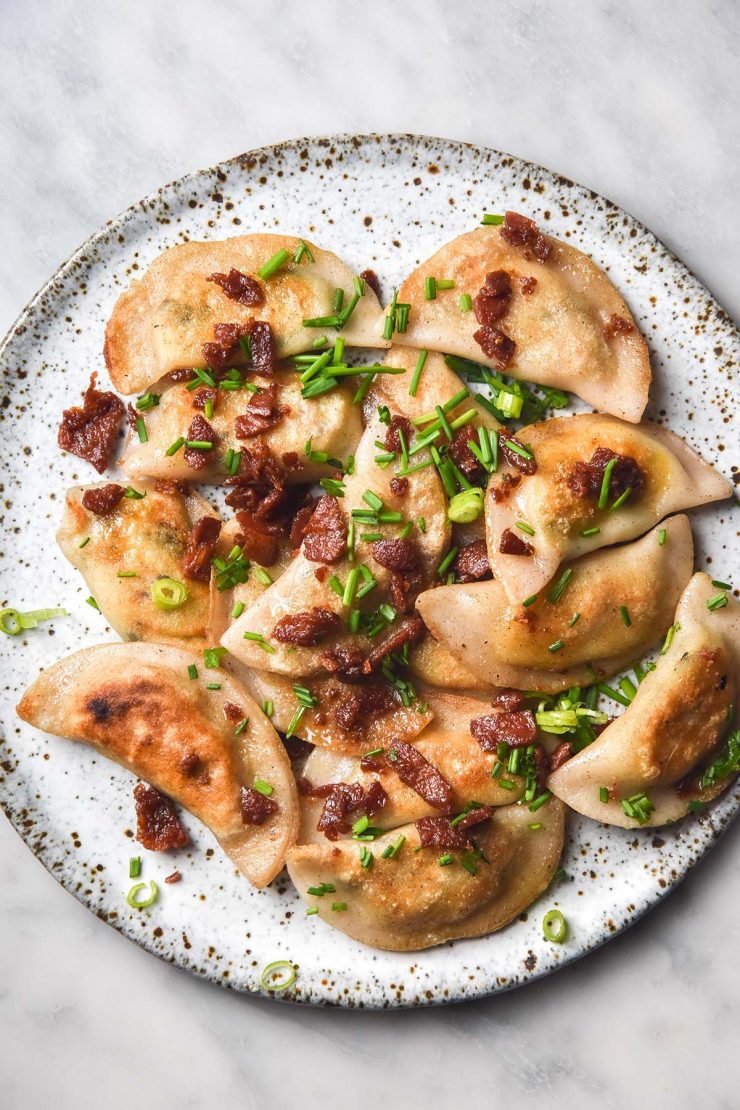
385,202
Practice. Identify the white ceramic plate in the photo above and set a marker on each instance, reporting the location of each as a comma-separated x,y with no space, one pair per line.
386,202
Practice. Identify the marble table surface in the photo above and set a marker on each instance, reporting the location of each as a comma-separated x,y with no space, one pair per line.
101,103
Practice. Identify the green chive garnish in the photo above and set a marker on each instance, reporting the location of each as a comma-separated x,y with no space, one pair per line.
274,264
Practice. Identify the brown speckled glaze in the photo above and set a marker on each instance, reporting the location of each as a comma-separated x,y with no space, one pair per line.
384,202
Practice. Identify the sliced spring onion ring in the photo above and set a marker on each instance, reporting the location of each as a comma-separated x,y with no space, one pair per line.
278,976
144,902
12,621
168,593
554,926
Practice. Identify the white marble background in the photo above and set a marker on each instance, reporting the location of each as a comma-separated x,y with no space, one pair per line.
99,104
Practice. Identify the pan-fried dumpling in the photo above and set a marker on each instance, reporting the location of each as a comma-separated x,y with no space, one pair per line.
458,758
137,705
409,901
163,320
306,585
123,552
502,643
536,521
331,420
546,314
654,760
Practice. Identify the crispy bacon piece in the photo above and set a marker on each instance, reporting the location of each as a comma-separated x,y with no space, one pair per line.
198,457
508,699
474,817
233,712
225,342
409,631
399,555
511,544
291,461
495,344
263,413
171,485
256,807
561,755
201,547
372,280
437,832
515,727
239,287
260,484
300,523
471,563
503,490
326,534
526,466
527,285
343,799
348,663
493,298
585,479
421,775
461,454
358,705
260,538
520,231
617,325
403,592
174,877
263,348
202,396
398,424
103,500
399,486
306,629
158,827
90,431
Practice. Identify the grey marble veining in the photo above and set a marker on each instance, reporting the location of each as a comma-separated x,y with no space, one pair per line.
99,105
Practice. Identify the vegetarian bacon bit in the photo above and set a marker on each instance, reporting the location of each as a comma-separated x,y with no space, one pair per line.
526,466
399,486
561,755
348,663
201,547
400,555
260,484
301,520
344,799
202,396
585,479
225,342
617,325
371,278
326,535
515,727
200,429
520,231
403,592
263,348
158,827
462,456
239,287
421,775
171,485
392,440
474,817
306,629
233,712
262,414
511,544
291,460
409,631
493,299
359,704
256,807
174,877
527,285
260,538
437,832
503,490
495,344
103,500
90,432
471,564
508,699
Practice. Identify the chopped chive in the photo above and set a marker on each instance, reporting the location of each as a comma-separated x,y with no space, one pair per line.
446,562
466,302
491,220
539,802
84,543
669,638
213,685
717,602
560,586
620,500
262,576
338,907
518,449
609,692
274,264
417,373
524,527
529,601
590,532
628,688
372,499
446,860
141,430
574,619
147,401
267,707
134,867
350,588
535,825
624,614
402,317
603,794
443,422
126,574
338,299
430,289
507,784
302,251
371,537
92,603
422,525
311,911
604,492
175,447
445,283
258,638
558,645
263,787
662,536
237,610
